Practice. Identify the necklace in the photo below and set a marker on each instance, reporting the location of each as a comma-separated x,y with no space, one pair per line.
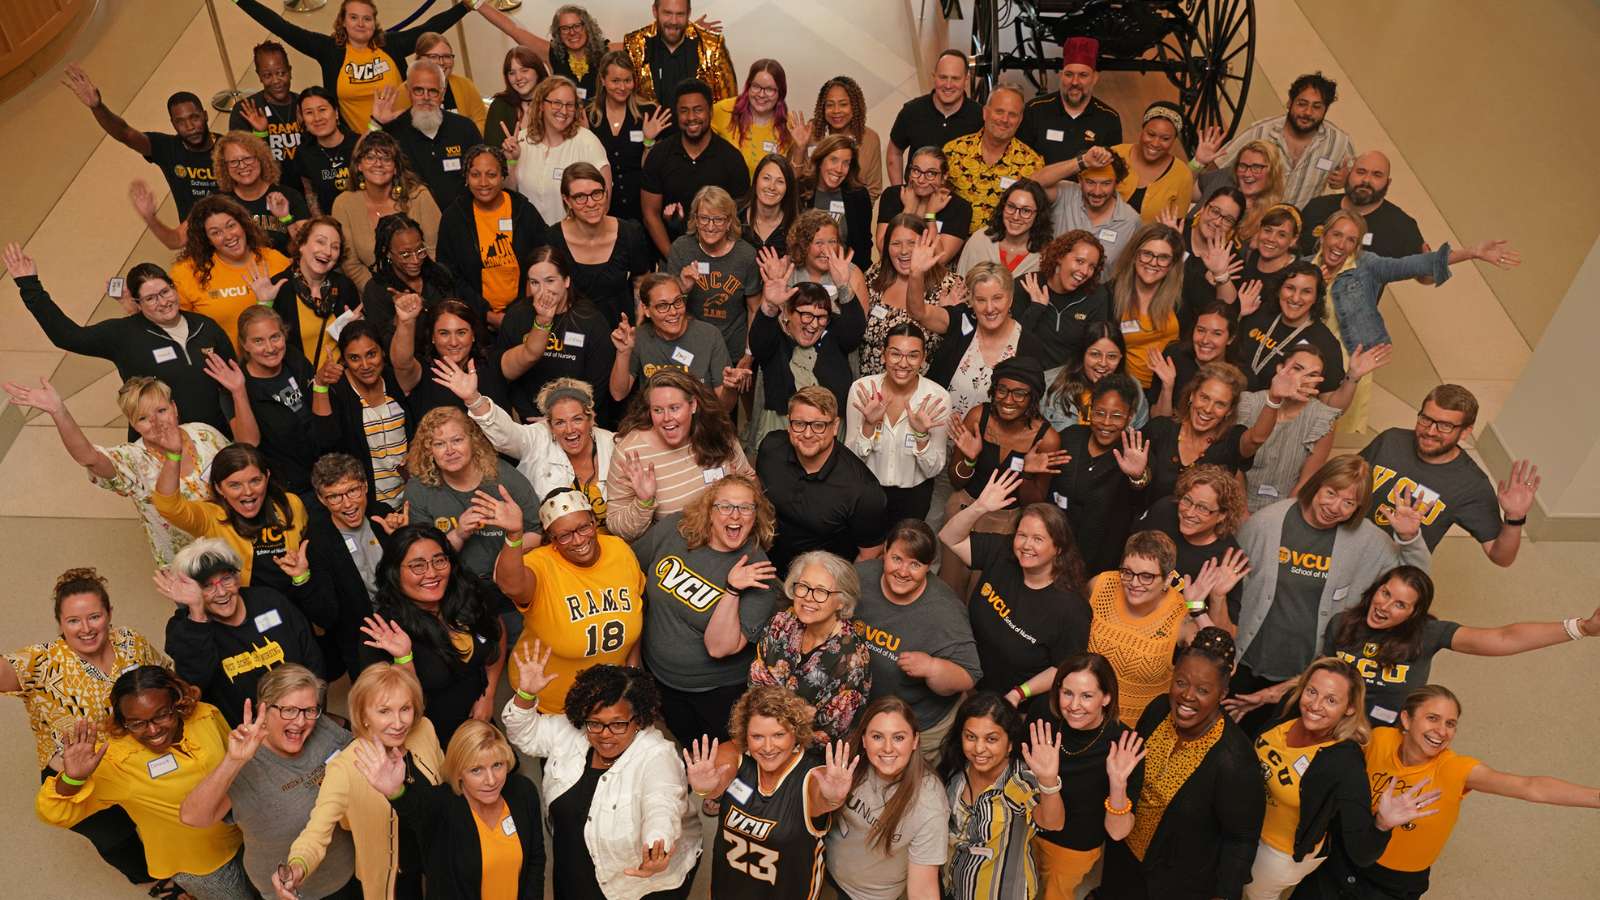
1104,721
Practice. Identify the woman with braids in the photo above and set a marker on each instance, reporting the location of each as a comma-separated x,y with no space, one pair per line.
403,266
382,184
314,291
226,263
616,795
162,741
840,109
1196,800
71,676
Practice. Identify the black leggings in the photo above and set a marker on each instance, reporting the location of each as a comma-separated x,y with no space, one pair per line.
690,714
908,503
114,837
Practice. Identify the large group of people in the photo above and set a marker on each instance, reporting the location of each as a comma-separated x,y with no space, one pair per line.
948,516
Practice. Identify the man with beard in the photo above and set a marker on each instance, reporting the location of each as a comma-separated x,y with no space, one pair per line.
433,138
1390,231
271,113
677,167
1427,464
184,158
1315,152
672,50
1062,125
936,118
1092,204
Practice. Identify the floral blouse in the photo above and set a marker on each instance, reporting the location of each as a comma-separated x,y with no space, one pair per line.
835,677
138,467
59,686
881,317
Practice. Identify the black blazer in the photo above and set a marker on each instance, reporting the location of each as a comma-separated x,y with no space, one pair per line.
857,222
343,432
452,858
963,329
1206,842
332,565
772,349
458,240
1335,787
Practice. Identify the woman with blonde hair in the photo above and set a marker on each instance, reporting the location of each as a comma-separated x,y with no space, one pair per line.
381,184
386,708
987,334
716,270
1146,285
626,125
552,137
708,594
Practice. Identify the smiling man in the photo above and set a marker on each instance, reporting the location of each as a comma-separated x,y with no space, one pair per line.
1061,125
672,50
275,105
434,138
1391,231
937,117
1092,204
1315,151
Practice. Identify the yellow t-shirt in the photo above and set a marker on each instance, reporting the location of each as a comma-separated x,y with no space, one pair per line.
1416,845
502,855
363,73
226,293
501,272
586,616
1141,334
1282,767
759,140
1139,648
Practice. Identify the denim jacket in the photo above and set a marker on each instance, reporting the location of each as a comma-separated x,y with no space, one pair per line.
1356,290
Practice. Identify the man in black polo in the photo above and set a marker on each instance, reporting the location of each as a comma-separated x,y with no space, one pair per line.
677,167
1062,125
435,139
274,108
1390,230
936,118
826,497
184,158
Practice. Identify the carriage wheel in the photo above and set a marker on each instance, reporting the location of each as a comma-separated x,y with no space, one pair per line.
984,71
1218,52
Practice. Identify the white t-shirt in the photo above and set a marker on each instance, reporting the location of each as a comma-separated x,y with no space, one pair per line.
538,170
860,868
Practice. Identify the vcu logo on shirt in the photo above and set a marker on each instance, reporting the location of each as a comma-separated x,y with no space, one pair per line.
1432,505
1312,565
743,823
364,73
695,591
878,640
194,173
1369,668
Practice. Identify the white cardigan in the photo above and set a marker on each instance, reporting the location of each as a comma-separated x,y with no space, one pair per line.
538,455
644,797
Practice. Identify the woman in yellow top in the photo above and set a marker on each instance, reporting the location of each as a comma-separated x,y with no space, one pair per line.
758,120
1157,181
1146,285
1316,780
385,710
580,592
163,742
226,258
71,677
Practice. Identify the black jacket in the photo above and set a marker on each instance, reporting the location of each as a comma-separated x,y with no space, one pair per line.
452,856
343,431
341,294
857,222
772,348
460,252
1206,842
332,564
1060,324
1335,787
136,346
963,329
226,661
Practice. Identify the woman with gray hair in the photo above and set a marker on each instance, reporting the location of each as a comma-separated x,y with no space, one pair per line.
812,648
270,779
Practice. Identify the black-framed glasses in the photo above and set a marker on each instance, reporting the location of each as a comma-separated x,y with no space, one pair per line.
595,726
560,104
1021,211
598,195
1021,395
1225,218
241,163
920,174
582,532
734,509
1152,258
803,591
439,563
570,28
1429,423
1252,168
348,496
815,426
1201,508
295,713
666,306
806,317
712,221
161,719
167,293
1142,579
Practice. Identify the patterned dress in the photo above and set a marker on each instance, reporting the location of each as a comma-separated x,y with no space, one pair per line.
835,677
881,317
138,467
59,686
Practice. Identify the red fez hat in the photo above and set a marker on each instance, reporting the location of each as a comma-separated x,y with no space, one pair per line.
1084,51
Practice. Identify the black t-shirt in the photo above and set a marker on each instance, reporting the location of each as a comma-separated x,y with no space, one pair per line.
955,220
1061,324
1166,466
669,68
572,870
610,284
283,124
282,407
1098,499
1085,785
277,232
429,394
438,160
839,508
1056,135
1454,493
1265,342
1162,516
1388,686
1287,641
920,124
1020,631
673,174
1390,230
188,172
578,345
325,169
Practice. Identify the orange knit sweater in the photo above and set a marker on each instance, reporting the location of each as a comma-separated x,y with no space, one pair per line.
1139,647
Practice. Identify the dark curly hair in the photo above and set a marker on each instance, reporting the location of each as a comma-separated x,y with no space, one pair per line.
197,247
979,705
467,605
434,274
1043,227
185,696
607,685
1052,254
858,109
1322,84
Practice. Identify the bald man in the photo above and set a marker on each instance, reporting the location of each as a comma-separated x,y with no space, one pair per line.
1390,231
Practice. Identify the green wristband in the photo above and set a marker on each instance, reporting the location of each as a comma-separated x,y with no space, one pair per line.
401,793
64,778
319,389
286,219
403,660
261,134
300,579
531,698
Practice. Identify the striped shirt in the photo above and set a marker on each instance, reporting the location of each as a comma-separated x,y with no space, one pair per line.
385,426
989,856
679,479
1303,178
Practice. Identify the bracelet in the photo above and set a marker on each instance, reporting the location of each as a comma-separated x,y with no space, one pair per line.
648,143
542,327
300,579
971,464
1119,810
372,125
514,544
400,793
920,435
524,695
702,794
1025,691
645,504
403,660
319,389
64,778
1271,405
1574,630
1196,165
1050,791
1518,522
261,134
1142,480
286,219
930,217
175,457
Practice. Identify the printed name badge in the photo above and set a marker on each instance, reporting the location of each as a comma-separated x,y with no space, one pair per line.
636,135
836,207
1267,490
503,225
966,326
1130,326
1054,134
165,354
555,173
1301,765
1366,239
1325,164
1107,236
350,543
880,312
451,164
162,765
704,268
1061,500
1386,716
682,357
1006,181
508,827
713,474
574,338
768,146
114,287
583,93
269,619
1016,464
1341,593
911,442
740,791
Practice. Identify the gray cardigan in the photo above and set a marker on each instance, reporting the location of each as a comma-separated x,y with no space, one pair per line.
1360,555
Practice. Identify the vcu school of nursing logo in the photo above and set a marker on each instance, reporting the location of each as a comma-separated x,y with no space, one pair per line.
1311,565
363,73
696,591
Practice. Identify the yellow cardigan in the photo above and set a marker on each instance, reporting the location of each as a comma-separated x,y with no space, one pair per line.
1172,191
203,518
347,800
469,102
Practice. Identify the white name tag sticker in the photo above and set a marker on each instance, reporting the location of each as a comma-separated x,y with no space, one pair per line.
682,357
1131,326
292,385
508,827
713,474
1366,239
1061,501
740,791
911,442
115,287
349,543
1006,181
266,111
555,173
269,619
165,354
503,225
1016,464
1107,236
451,164
1325,164
1384,715
636,135
938,225
1301,765
1267,490
979,851
574,338
1054,134
704,268
836,207
832,291
768,147
128,668
583,93
1341,593
165,764
966,326
880,312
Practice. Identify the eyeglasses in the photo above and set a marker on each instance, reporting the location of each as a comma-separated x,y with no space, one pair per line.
241,163
1110,418
924,174
816,426
1020,211
806,317
560,104
1429,423
426,92
349,496
803,591
166,293
377,156
763,90
669,305
598,195
712,221
900,356
595,726
1142,579
1022,395
295,713
734,509
221,585
573,28
409,255
439,563
440,58
161,720
1203,509
1226,219
582,532
1252,168
1152,258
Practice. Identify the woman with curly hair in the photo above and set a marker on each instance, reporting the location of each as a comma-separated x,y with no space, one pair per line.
383,184
162,742
708,590
1015,237
247,172
1064,297
225,264
1201,516
404,266
813,251
840,109
832,183
314,291
553,136
451,462
1204,427
757,121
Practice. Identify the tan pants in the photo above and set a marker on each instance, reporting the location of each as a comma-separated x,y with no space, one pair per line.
1275,873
